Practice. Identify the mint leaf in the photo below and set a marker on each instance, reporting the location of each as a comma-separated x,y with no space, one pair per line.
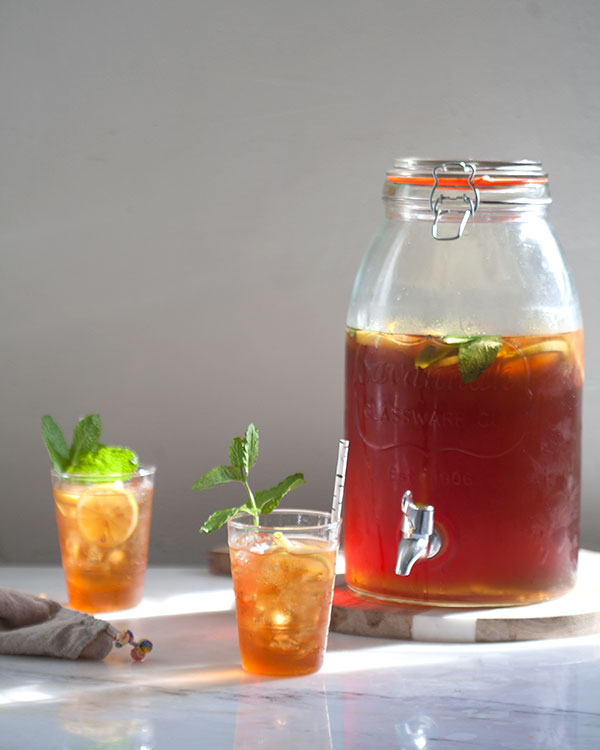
431,354
476,355
238,454
268,500
219,518
56,445
251,438
86,454
106,460
86,437
216,476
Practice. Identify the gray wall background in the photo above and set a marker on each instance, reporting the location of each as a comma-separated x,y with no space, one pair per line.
187,189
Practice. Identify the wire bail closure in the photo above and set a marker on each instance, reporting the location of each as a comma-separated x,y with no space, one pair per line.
437,205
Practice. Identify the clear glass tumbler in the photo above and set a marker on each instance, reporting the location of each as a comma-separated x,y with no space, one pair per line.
104,530
283,575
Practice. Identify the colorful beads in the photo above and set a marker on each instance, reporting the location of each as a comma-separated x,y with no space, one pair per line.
139,650
123,638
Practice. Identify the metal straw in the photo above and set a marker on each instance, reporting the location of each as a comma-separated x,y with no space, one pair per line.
340,476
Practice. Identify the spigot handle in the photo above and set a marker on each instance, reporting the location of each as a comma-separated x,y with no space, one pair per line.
419,539
420,517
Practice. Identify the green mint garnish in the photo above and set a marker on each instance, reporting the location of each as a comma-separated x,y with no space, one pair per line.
475,354
243,453
56,445
106,460
86,455
86,439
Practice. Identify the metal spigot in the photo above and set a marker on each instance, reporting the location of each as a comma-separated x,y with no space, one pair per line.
419,538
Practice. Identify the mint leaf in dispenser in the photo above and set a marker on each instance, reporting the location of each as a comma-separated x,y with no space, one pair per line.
476,355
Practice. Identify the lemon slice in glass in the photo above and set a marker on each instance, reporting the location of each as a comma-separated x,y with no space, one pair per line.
107,515
281,540
301,549
65,502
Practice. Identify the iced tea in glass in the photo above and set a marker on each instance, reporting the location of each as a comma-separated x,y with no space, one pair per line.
283,575
104,529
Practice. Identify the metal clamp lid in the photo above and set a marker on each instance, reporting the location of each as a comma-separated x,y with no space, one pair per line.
472,203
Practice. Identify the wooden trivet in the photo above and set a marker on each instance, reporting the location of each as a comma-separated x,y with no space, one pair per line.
218,561
576,613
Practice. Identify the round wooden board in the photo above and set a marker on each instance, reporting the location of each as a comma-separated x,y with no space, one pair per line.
576,613
218,561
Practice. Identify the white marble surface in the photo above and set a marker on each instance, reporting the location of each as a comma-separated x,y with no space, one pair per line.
192,693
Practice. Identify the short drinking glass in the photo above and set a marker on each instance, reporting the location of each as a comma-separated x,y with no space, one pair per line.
283,575
104,529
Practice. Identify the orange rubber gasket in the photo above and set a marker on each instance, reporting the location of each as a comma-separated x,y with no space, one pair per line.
460,182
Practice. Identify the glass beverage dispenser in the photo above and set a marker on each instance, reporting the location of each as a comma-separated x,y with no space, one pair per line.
464,372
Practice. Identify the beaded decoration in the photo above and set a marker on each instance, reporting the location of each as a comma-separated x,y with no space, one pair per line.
140,648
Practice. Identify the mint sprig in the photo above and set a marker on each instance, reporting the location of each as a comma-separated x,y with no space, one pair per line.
87,455
475,354
86,437
243,454
86,441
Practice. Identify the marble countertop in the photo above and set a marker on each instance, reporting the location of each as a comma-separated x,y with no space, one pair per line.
192,693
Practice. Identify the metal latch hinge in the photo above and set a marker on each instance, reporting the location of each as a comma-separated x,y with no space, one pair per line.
470,203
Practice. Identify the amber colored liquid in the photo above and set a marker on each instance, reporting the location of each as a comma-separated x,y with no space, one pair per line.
283,606
498,458
103,577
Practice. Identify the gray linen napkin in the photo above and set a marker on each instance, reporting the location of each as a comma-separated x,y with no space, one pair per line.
30,625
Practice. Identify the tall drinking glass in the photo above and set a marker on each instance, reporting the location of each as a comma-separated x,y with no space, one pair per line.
104,530
283,575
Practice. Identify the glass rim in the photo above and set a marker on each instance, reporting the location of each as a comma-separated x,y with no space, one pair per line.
514,183
489,172
143,470
240,522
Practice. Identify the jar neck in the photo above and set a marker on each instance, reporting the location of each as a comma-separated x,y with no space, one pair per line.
486,212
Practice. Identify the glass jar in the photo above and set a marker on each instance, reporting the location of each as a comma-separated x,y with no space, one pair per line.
464,372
